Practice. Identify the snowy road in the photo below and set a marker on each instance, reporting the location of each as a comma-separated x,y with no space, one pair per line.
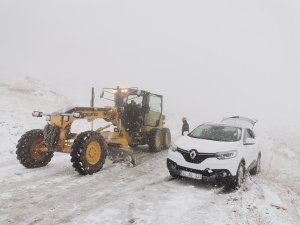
119,194
145,194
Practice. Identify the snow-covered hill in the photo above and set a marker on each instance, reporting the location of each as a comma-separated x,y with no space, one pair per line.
145,194
18,99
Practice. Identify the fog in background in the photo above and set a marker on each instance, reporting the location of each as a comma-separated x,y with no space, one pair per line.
209,59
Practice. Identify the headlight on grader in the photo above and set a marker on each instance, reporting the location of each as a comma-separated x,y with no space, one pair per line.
37,114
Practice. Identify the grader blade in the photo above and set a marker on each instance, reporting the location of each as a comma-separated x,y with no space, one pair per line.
122,155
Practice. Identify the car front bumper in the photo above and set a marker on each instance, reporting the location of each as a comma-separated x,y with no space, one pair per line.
216,175
211,169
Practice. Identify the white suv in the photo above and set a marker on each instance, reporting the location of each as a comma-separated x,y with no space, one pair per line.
222,152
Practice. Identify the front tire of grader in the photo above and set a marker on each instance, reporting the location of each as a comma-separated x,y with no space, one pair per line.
166,138
155,140
32,151
88,154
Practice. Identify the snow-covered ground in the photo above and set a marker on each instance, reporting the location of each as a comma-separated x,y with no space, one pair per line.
145,194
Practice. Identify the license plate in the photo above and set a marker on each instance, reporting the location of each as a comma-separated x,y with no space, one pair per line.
191,175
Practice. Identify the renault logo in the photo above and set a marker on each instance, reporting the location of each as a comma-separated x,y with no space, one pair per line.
193,154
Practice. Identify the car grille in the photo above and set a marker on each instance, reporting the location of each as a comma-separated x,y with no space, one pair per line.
172,166
200,157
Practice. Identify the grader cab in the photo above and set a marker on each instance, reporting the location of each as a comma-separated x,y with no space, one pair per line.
136,119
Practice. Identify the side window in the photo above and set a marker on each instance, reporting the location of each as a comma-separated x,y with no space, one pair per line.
155,103
134,98
248,134
251,133
155,108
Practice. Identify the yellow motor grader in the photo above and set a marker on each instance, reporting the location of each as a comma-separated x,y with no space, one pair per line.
135,119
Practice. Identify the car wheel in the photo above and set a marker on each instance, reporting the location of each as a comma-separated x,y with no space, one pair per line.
236,183
256,169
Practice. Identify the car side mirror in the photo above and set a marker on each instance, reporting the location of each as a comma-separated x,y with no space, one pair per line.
249,141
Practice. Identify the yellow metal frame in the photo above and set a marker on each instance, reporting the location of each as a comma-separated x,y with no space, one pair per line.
120,139
110,114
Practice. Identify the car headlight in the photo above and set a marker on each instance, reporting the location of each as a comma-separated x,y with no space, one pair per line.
226,155
173,147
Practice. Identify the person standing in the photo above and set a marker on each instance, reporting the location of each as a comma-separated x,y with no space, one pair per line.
185,126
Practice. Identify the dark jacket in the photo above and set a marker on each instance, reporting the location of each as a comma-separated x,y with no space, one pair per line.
185,127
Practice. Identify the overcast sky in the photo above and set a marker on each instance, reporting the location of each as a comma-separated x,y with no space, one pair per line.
208,58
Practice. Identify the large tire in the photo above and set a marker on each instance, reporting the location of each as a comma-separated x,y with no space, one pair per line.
256,169
29,150
236,183
88,154
166,138
155,140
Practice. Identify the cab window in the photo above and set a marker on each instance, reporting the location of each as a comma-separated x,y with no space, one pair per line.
137,99
251,133
152,117
155,103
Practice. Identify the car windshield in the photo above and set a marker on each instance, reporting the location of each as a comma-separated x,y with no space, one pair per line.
217,133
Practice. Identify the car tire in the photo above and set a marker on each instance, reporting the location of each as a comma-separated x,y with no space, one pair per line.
256,169
236,183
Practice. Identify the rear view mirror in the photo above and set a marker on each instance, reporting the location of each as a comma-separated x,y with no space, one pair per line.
249,141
